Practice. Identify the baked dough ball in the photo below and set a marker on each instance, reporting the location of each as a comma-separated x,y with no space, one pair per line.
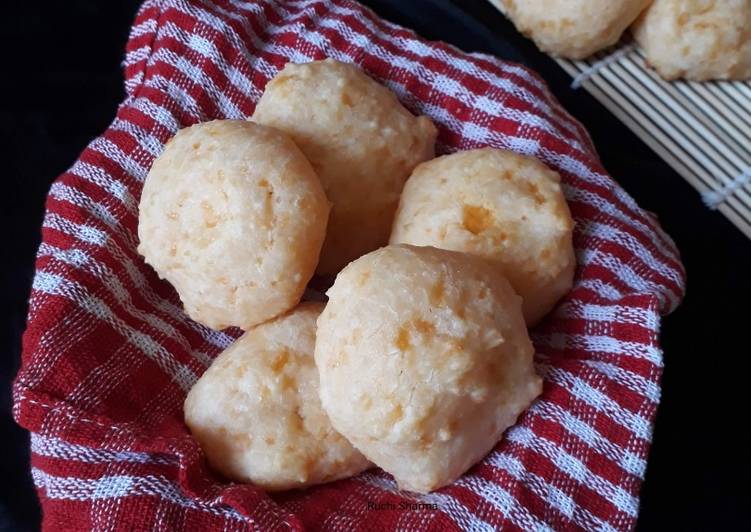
502,206
424,361
361,141
256,411
697,39
234,216
572,28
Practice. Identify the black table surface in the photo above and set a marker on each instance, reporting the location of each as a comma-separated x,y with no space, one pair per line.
61,84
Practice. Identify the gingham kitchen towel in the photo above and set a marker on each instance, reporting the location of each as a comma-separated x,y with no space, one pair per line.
109,354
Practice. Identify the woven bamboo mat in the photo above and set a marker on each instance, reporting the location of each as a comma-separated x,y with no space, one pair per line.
703,130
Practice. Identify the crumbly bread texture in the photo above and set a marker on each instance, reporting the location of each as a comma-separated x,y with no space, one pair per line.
424,361
361,141
573,29
233,216
256,411
697,39
502,206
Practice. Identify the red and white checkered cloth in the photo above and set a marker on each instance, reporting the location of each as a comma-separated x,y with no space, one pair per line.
109,354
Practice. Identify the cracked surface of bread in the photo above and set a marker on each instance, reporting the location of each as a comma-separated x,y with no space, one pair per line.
424,361
361,141
233,216
256,411
502,206
697,39
573,29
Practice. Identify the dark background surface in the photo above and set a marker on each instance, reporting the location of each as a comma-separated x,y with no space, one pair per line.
60,87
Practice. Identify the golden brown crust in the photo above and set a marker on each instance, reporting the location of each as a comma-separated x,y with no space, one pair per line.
498,205
573,29
256,411
697,39
233,216
361,141
424,361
